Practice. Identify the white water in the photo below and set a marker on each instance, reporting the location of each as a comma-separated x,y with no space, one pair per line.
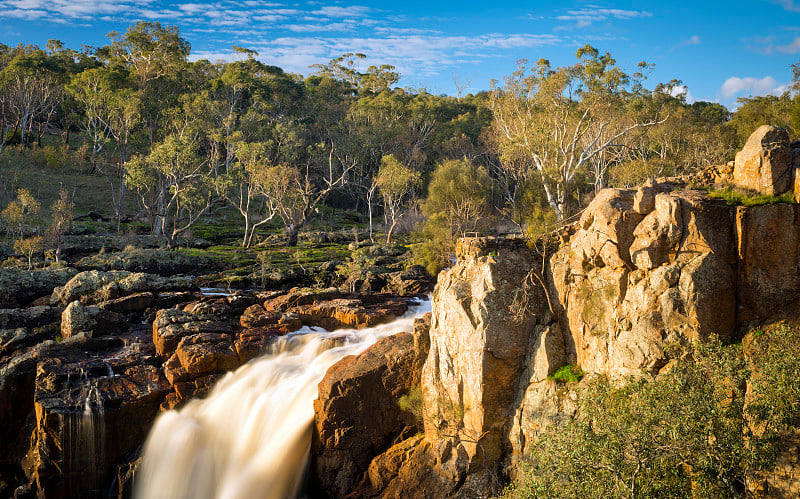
251,436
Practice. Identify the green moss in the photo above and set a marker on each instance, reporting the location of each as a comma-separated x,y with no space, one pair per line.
734,197
571,373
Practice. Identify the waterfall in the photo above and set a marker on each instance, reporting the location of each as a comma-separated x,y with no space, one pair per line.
251,436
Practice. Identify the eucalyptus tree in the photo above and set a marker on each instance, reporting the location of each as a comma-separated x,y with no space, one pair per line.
396,183
550,123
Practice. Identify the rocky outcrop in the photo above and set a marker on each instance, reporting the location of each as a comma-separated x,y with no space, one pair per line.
640,271
20,287
630,282
477,348
149,261
358,416
95,286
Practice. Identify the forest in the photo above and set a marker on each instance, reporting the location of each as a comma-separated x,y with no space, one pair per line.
174,141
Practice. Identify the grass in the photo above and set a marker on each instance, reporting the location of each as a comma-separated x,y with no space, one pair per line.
571,373
734,197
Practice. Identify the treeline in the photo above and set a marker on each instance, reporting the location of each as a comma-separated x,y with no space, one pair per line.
183,137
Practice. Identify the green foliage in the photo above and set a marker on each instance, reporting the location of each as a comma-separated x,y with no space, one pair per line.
28,247
412,402
735,197
571,373
24,209
693,431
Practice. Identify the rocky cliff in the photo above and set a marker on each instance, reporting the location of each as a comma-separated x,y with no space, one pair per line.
640,271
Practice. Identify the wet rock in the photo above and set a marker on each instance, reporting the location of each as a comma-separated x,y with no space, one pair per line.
356,413
90,418
252,343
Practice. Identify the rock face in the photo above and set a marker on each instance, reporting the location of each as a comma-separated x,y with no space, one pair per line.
357,412
476,348
641,270
628,289
765,163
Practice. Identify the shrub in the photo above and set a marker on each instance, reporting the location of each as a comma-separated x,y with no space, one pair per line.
571,373
693,431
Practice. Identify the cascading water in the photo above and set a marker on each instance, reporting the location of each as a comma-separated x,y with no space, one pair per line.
251,436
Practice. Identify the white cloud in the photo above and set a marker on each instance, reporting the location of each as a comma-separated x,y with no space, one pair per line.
352,11
414,55
587,16
790,48
752,86
682,90
693,40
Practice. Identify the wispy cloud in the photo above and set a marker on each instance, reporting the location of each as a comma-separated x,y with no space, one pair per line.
789,5
416,55
585,17
790,48
768,85
692,40
352,11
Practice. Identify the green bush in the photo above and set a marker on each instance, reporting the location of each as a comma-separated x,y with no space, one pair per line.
571,373
693,431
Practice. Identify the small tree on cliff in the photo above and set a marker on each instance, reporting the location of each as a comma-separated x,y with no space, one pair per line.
458,202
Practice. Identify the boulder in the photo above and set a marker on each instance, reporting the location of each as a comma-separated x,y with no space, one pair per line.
357,415
351,313
91,320
256,316
171,325
131,304
207,353
94,286
765,163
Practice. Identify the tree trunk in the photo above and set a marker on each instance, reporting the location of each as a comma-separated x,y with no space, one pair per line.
291,235
390,231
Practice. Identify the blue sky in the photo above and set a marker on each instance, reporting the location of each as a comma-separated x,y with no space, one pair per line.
719,49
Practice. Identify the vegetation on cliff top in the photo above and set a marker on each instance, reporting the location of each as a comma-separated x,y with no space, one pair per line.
705,427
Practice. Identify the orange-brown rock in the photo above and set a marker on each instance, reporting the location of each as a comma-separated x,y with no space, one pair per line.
765,163
477,346
171,325
250,343
769,260
356,413
257,316
349,313
207,353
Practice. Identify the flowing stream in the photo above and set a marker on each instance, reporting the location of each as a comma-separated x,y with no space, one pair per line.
251,436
